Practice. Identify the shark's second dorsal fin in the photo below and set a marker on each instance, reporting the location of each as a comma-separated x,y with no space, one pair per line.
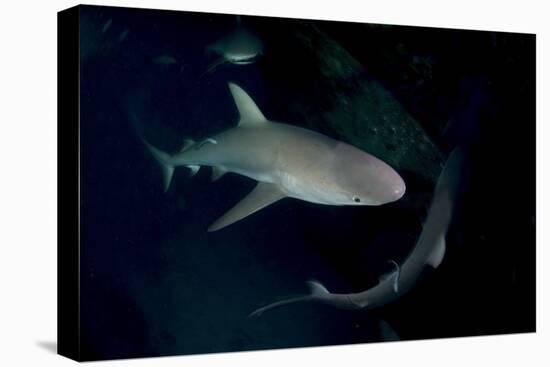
187,143
250,114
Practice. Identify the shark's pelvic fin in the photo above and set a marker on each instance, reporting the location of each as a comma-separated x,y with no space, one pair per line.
250,114
436,257
217,173
194,169
188,144
261,196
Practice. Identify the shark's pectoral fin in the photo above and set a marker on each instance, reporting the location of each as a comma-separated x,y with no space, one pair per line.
261,196
194,169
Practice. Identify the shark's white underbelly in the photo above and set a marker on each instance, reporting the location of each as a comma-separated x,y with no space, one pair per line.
299,189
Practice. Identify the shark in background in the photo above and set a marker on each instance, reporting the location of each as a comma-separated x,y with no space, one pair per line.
429,250
287,161
240,47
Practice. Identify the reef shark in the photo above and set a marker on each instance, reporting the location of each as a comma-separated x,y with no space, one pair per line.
429,250
239,47
287,161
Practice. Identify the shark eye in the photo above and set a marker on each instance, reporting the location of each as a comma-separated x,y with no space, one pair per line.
356,199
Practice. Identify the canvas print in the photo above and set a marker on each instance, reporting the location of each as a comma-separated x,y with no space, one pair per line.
238,183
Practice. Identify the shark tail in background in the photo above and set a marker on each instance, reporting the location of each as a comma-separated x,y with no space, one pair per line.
213,66
429,250
317,290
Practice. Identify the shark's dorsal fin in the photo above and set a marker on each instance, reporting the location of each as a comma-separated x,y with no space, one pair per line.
261,196
393,276
436,257
250,114
316,288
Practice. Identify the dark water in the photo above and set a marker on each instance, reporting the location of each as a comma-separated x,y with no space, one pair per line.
154,282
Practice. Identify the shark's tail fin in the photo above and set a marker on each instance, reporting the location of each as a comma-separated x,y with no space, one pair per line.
162,157
317,290
212,66
164,160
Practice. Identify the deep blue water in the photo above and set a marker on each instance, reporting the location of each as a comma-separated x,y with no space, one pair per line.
154,282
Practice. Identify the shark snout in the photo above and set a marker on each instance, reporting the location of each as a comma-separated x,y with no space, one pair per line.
399,189
394,188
